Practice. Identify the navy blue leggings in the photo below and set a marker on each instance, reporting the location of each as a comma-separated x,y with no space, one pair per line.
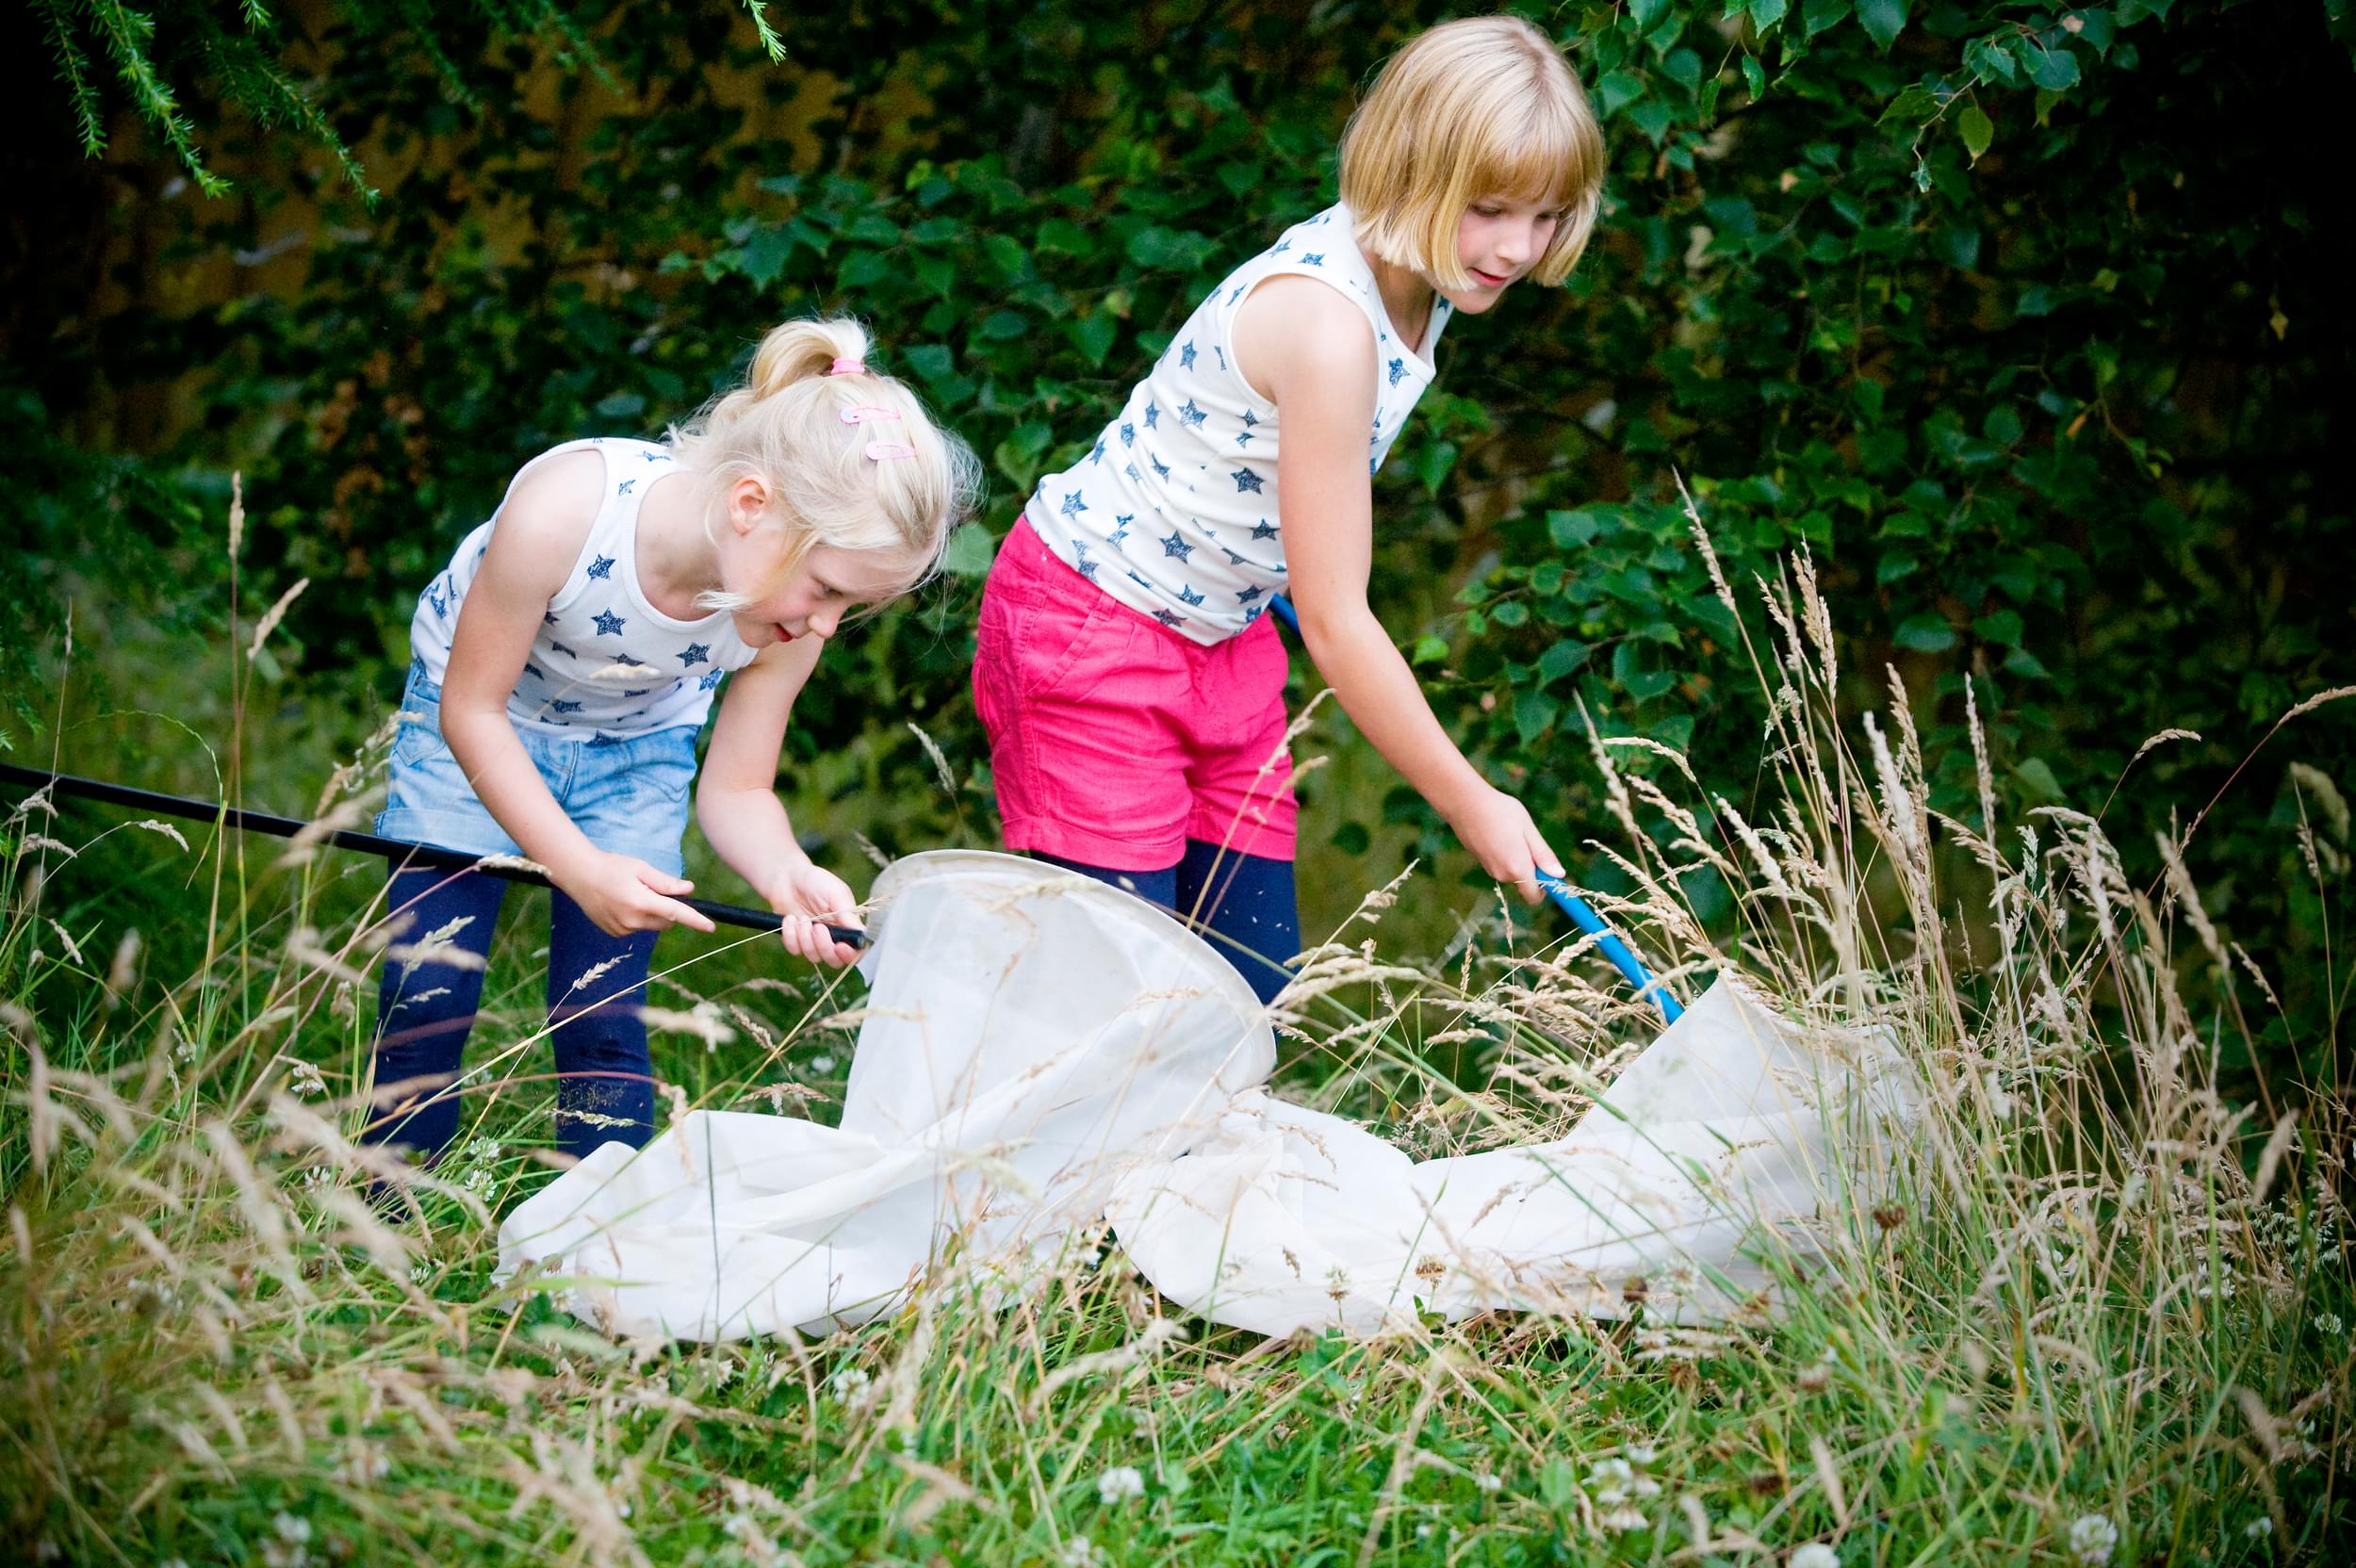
1243,904
605,1084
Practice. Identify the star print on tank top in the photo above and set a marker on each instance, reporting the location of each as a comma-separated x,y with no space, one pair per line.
1173,510
605,660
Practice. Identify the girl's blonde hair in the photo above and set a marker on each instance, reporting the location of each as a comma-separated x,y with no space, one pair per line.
1483,106
806,433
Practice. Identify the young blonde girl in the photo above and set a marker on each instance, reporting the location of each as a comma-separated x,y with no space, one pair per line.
1131,684
563,665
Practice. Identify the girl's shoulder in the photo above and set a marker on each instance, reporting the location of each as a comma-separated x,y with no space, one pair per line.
555,499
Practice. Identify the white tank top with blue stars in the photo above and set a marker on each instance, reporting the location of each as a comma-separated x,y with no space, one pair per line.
606,662
1173,510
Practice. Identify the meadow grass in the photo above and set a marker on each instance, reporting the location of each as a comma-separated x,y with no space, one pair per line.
2100,1316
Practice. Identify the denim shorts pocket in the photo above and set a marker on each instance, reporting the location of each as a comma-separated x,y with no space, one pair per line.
420,737
662,767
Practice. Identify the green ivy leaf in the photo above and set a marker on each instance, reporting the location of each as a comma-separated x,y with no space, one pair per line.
933,361
1535,713
1012,261
1916,104
1570,530
969,552
863,270
938,273
1063,235
1431,463
764,254
1429,649
1562,658
1022,454
1093,334
2000,625
2053,66
1617,90
1978,131
2038,777
1926,632
1882,19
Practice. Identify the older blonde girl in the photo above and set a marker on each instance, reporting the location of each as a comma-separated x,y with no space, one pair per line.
1133,689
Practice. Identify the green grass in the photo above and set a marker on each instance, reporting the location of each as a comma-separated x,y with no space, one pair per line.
2093,1290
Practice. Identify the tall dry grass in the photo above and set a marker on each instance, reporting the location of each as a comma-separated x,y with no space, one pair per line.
2104,1318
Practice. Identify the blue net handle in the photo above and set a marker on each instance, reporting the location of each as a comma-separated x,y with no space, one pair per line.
1610,945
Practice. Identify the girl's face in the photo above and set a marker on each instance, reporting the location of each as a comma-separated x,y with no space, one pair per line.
1497,241
814,597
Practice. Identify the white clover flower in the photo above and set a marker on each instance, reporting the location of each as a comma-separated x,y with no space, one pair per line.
1080,1552
822,1064
1488,1480
2260,1528
364,1463
1623,1519
283,1552
2329,1323
1610,1481
1120,1484
2092,1538
1640,1453
304,1079
292,1529
1814,1554
853,1387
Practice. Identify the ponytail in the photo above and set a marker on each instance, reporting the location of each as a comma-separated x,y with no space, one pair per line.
805,423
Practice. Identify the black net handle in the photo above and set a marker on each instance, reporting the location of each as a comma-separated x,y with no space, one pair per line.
400,852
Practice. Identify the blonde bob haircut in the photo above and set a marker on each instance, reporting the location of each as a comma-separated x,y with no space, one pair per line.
805,434
1475,108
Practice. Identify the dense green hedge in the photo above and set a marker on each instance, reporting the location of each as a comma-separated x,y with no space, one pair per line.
2021,321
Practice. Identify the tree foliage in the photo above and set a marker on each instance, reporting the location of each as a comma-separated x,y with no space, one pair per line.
2018,319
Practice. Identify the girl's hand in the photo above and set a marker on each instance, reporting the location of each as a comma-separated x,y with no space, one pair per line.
621,894
1498,830
810,897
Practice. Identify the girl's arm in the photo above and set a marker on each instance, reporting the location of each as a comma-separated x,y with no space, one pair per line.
737,804
542,524
1311,352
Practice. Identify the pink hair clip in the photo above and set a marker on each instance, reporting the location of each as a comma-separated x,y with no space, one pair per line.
859,414
848,368
884,451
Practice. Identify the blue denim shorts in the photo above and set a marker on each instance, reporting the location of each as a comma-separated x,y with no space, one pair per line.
628,794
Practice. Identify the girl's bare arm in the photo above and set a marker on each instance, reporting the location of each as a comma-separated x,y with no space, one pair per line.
1311,352
737,804
542,527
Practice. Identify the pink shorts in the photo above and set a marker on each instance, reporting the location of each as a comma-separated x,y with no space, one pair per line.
1114,739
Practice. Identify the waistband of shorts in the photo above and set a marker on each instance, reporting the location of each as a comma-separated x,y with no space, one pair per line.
1051,575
